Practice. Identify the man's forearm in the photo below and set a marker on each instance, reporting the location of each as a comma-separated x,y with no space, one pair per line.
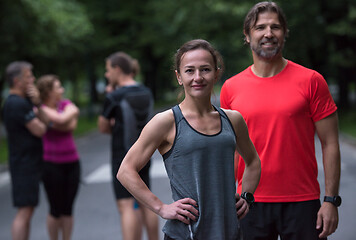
104,125
251,176
332,169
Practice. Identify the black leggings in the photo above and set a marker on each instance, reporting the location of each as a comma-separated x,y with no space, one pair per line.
61,182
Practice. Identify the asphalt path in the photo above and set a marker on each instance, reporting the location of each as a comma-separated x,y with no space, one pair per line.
97,218
95,213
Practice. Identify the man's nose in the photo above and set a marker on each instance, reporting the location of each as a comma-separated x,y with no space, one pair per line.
268,33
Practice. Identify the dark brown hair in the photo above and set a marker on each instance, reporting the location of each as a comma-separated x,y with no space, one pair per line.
135,68
45,85
199,44
121,60
261,7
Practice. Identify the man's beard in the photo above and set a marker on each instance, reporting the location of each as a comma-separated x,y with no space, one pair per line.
269,52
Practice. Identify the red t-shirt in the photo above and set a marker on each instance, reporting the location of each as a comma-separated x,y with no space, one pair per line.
280,113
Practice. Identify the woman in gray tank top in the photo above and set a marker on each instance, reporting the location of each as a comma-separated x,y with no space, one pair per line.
198,143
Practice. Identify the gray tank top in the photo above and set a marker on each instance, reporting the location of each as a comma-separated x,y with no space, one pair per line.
201,167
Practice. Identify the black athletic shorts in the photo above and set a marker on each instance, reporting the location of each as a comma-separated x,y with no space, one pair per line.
26,188
291,221
61,182
119,190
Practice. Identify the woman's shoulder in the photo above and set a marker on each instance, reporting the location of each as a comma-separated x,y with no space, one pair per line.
164,117
233,115
159,126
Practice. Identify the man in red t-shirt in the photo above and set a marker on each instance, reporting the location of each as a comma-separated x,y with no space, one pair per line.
284,104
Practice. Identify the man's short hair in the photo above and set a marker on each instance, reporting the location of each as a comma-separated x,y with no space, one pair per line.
121,60
261,7
15,69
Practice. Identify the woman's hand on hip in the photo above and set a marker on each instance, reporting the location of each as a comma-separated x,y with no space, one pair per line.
183,210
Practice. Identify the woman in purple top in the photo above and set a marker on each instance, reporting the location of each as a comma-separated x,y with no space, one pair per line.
61,160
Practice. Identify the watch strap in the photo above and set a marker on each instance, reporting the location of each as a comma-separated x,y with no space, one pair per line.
336,200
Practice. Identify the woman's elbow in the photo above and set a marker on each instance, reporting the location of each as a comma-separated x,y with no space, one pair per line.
125,173
120,174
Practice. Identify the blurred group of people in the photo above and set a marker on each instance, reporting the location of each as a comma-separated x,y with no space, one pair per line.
262,137
39,124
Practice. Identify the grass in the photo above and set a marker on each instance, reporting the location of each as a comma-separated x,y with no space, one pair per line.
3,150
85,124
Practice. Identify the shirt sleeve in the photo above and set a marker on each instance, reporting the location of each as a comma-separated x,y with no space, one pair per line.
223,97
321,101
23,112
109,107
62,104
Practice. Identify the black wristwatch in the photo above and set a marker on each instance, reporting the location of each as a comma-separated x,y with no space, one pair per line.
336,200
250,199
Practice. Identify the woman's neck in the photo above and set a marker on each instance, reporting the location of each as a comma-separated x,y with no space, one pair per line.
50,103
201,107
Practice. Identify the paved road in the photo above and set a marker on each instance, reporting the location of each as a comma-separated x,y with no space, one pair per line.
96,217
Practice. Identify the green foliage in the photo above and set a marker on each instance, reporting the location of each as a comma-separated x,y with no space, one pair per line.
347,122
3,151
42,28
85,125
72,38
64,20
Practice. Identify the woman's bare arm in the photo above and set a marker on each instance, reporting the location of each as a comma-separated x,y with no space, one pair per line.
154,136
64,121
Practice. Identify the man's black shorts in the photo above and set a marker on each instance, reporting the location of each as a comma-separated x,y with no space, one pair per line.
119,190
25,189
291,220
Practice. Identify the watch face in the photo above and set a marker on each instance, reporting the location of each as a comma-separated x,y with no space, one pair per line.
248,197
337,200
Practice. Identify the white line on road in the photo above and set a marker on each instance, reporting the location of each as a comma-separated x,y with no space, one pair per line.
103,173
4,178
100,175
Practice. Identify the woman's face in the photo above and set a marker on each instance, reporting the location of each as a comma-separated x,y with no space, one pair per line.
197,73
57,90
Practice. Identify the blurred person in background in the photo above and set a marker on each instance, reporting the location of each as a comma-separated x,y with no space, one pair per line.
112,85
61,172
25,124
127,109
